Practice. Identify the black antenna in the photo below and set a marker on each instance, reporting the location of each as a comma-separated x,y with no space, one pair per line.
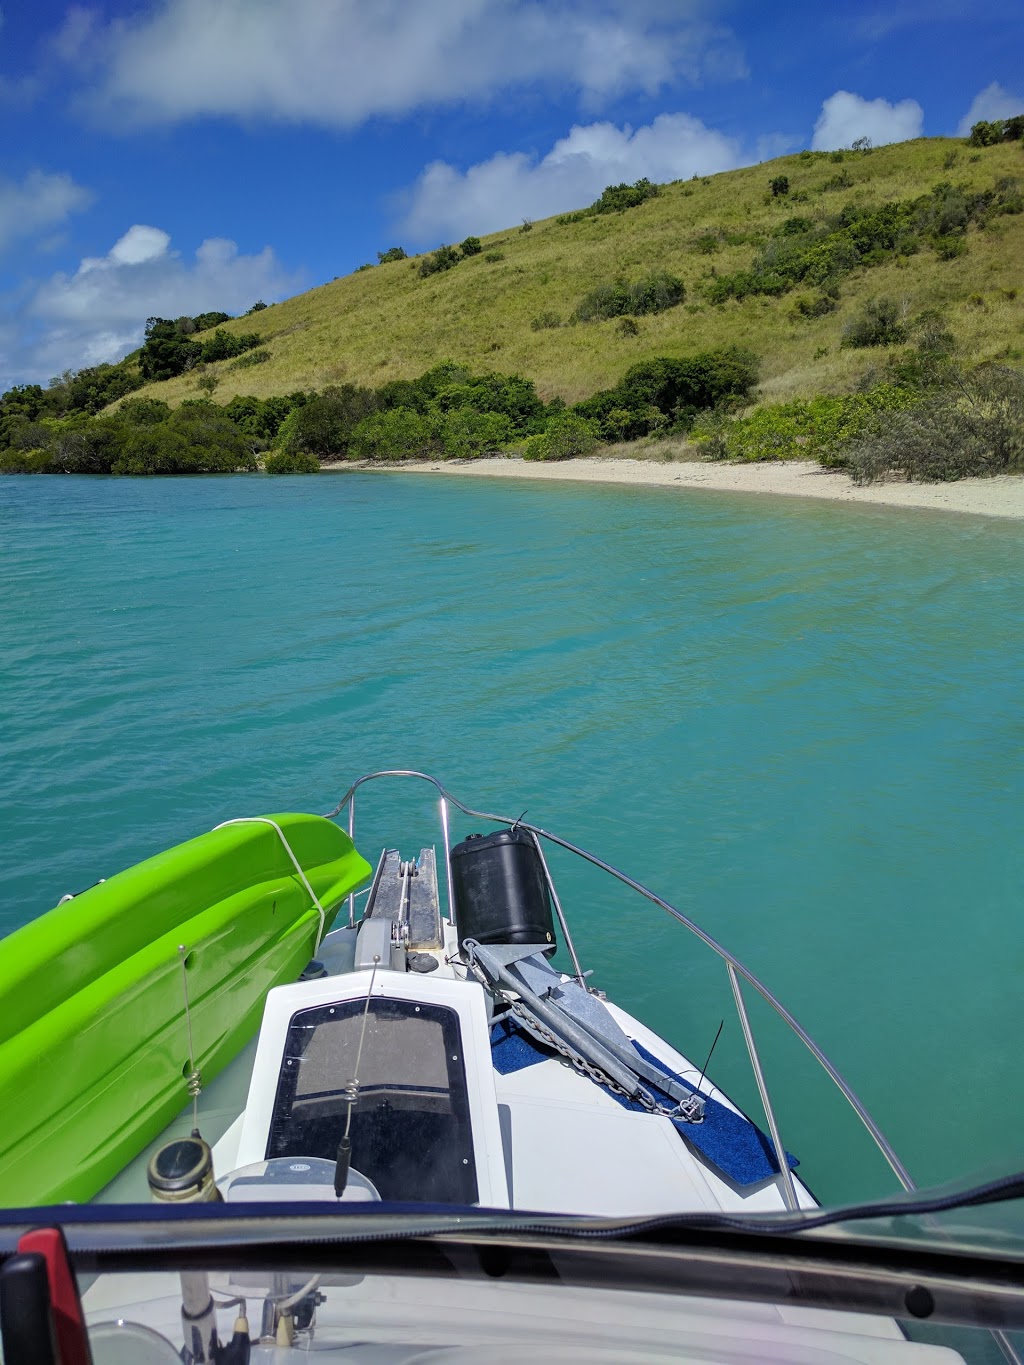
708,1062
344,1158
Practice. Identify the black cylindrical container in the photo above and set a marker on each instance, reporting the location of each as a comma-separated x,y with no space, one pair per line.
501,893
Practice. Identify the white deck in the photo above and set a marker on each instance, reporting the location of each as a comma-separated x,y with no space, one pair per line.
546,1139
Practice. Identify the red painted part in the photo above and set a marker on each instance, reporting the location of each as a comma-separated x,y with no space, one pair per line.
68,1318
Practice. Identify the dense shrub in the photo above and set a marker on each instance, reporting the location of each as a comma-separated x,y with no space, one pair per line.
615,198
196,439
662,391
465,434
509,395
323,425
929,361
816,428
533,448
393,253
652,294
259,357
287,462
169,350
224,345
779,185
950,246
567,437
820,253
881,322
814,305
988,133
261,419
91,445
444,258
143,412
471,246
89,390
26,462
397,434
972,426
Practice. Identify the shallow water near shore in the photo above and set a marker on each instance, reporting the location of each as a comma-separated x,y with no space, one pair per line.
801,723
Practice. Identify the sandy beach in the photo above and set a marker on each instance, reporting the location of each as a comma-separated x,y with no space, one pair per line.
1002,496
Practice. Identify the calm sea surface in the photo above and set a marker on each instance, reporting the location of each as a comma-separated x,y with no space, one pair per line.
803,724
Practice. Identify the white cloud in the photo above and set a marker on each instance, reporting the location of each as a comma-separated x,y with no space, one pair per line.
98,313
845,117
338,62
991,103
446,202
39,201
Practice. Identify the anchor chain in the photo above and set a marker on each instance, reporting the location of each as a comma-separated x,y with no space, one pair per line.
575,1059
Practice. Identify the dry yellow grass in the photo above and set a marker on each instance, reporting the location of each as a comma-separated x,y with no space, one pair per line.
389,323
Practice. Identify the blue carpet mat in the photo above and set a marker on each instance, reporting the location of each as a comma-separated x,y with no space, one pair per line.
726,1139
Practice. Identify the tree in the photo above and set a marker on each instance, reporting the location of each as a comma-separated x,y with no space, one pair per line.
144,412
615,198
398,434
881,322
204,321
986,134
283,462
223,345
323,425
779,185
196,439
466,434
257,307
167,350
442,259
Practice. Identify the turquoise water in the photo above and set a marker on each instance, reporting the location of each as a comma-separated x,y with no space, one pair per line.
800,722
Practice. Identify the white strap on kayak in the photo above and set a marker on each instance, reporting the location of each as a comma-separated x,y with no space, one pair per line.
265,820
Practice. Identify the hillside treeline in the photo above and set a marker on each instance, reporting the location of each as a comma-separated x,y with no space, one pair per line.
447,413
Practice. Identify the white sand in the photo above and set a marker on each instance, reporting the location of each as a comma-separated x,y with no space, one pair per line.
999,497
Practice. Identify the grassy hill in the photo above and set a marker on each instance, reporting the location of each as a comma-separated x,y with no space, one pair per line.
388,322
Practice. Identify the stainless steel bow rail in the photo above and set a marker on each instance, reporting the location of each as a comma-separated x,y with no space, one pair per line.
734,966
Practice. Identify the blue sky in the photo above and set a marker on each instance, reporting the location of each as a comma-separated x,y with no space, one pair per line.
173,156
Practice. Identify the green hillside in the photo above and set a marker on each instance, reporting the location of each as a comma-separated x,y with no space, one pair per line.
390,322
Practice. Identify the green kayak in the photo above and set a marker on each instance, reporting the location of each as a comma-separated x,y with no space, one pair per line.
94,1047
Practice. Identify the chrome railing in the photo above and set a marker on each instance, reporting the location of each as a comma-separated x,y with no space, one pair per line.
734,967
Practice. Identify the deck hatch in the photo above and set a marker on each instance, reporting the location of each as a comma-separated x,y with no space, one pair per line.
411,1130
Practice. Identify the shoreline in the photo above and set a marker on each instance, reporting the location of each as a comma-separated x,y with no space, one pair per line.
1001,496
